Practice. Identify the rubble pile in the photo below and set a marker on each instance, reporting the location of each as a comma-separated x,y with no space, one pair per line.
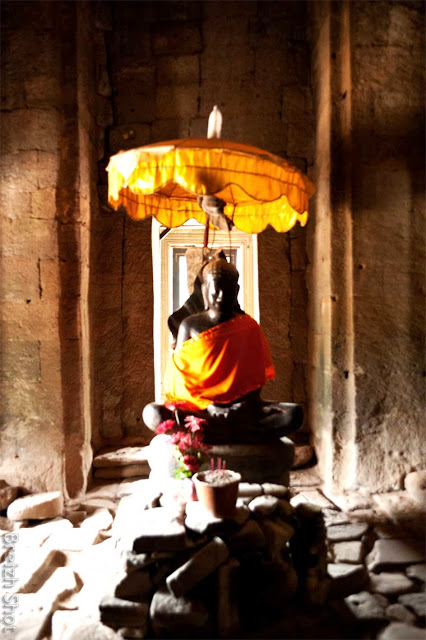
127,560
185,572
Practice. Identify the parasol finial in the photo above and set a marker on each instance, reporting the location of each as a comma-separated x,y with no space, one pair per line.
214,128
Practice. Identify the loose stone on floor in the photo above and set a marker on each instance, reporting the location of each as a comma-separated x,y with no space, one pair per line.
120,565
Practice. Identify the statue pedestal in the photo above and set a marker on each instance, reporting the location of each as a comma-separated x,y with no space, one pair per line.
258,462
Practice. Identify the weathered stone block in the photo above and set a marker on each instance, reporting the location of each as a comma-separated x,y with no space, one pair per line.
43,204
390,584
75,517
285,510
179,101
304,453
7,494
30,238
136,561
36,567
415,602
28,407
270,489
32,617
38,506
147,493
151,530
47,172
137,107
10,525
399,613
367,606
298,64
401,631
130,471
99,520
59,279
264,506
391,554
353,531
277,535
228,619
171,128
351,552
415,484
35,609
30,129
19,172
172,614
21,361
116,613
73,539
310,497
346,579
417,571
177,70
15,204
69,624
201,521
20,278
135,586
297,105
249,538
121,457
42,91
175,38
198,567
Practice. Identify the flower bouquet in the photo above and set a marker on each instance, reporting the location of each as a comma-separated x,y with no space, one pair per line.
190,450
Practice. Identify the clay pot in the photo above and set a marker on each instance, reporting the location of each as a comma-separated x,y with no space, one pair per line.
217,491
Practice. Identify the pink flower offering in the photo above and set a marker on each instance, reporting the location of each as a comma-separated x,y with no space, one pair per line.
190,449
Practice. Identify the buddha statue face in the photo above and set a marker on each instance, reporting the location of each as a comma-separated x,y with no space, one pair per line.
220,286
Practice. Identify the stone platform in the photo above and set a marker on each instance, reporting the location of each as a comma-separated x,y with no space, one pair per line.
259,462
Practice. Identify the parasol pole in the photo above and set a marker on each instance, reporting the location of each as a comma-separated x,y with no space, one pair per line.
214,129
206,232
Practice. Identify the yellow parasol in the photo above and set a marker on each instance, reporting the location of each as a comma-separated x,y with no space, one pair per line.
164,180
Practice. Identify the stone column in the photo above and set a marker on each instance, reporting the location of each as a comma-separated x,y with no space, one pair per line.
366,252
47,196
331,336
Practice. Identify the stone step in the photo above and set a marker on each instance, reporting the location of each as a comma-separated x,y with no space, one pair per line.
124,457
140,470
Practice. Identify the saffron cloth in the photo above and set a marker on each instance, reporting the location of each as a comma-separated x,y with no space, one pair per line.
220,365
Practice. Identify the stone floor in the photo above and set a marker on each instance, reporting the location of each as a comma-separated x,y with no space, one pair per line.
62,565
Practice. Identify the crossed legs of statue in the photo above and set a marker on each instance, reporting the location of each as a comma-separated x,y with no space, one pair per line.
249,420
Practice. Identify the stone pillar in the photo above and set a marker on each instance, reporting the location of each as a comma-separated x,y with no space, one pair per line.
331,337
388,209
364,244
47,196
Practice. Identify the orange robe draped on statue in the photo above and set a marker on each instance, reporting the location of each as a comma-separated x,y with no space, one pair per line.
220,365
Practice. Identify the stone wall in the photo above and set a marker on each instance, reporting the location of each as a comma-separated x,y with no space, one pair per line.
388,239
366,244
81,81
169,64
47,189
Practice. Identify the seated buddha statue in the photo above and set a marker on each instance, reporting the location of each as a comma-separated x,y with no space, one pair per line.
219,365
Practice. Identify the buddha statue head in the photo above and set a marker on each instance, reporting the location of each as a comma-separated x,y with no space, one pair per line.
220,285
